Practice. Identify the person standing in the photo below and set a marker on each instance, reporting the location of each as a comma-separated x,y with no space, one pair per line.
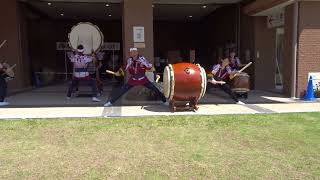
80,62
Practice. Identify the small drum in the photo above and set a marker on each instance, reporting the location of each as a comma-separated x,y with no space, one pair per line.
184,82
87,35
241,83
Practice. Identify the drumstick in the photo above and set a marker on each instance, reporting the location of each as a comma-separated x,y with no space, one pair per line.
157,79
10,68
114,73
213,81
110,72
245,67
3,43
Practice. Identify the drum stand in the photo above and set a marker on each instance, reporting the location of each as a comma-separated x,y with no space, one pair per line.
192,105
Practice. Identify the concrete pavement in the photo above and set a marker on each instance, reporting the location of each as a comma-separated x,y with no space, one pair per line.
50,102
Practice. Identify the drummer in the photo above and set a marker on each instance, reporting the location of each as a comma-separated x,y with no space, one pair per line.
4,77
136,66
235,62
221,73
80,62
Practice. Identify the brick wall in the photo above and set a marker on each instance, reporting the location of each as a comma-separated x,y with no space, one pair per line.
309,43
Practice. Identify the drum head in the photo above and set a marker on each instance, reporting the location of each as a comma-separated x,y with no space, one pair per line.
168,84
87,35
204,81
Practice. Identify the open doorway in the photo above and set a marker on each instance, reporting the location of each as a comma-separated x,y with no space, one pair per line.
195,33
48,28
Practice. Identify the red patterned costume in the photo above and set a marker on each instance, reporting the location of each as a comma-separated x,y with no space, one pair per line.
137,68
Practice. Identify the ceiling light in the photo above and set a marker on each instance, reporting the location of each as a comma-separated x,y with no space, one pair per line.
190,16
107,5
109,15
61,14
49,3
204,6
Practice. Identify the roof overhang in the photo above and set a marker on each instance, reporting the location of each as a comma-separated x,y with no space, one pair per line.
266,7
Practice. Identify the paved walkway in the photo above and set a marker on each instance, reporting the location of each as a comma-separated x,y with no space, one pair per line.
153,110
50,102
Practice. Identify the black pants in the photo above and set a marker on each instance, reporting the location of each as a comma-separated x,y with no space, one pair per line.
75,83
3,88
226,88
126,87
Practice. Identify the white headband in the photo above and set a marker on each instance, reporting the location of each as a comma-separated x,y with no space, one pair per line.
133,49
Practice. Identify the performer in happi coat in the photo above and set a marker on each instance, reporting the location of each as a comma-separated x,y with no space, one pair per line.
221,73
235,62
80,63
6,74
136,66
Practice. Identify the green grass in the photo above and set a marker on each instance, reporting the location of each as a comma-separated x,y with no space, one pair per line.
198,147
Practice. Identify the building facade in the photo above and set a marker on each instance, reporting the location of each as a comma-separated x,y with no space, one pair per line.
281,37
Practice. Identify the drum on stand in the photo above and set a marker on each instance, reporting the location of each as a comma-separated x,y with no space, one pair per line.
240,84
184,82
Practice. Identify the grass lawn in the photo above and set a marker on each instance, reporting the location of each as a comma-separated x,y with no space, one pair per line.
198,147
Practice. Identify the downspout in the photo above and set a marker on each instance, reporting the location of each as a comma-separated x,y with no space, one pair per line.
294,47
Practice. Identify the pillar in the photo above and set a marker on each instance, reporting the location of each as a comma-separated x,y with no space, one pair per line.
138,13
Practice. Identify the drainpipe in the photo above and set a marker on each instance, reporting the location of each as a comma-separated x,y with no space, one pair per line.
294,47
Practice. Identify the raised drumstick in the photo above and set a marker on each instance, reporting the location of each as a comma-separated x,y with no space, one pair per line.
3,43
10,68
245,67
157,78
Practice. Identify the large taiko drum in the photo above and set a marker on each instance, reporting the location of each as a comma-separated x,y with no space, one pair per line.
88,35
241,83
184,82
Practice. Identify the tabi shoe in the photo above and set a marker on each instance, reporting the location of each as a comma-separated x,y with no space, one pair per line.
95,99
108,104
4,103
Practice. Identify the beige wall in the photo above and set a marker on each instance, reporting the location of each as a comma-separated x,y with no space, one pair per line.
138,13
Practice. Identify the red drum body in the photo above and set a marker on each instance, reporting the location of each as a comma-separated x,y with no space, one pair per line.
241,83
184,82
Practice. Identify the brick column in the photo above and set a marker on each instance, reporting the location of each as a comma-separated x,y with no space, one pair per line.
137,13
308,43
288,50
